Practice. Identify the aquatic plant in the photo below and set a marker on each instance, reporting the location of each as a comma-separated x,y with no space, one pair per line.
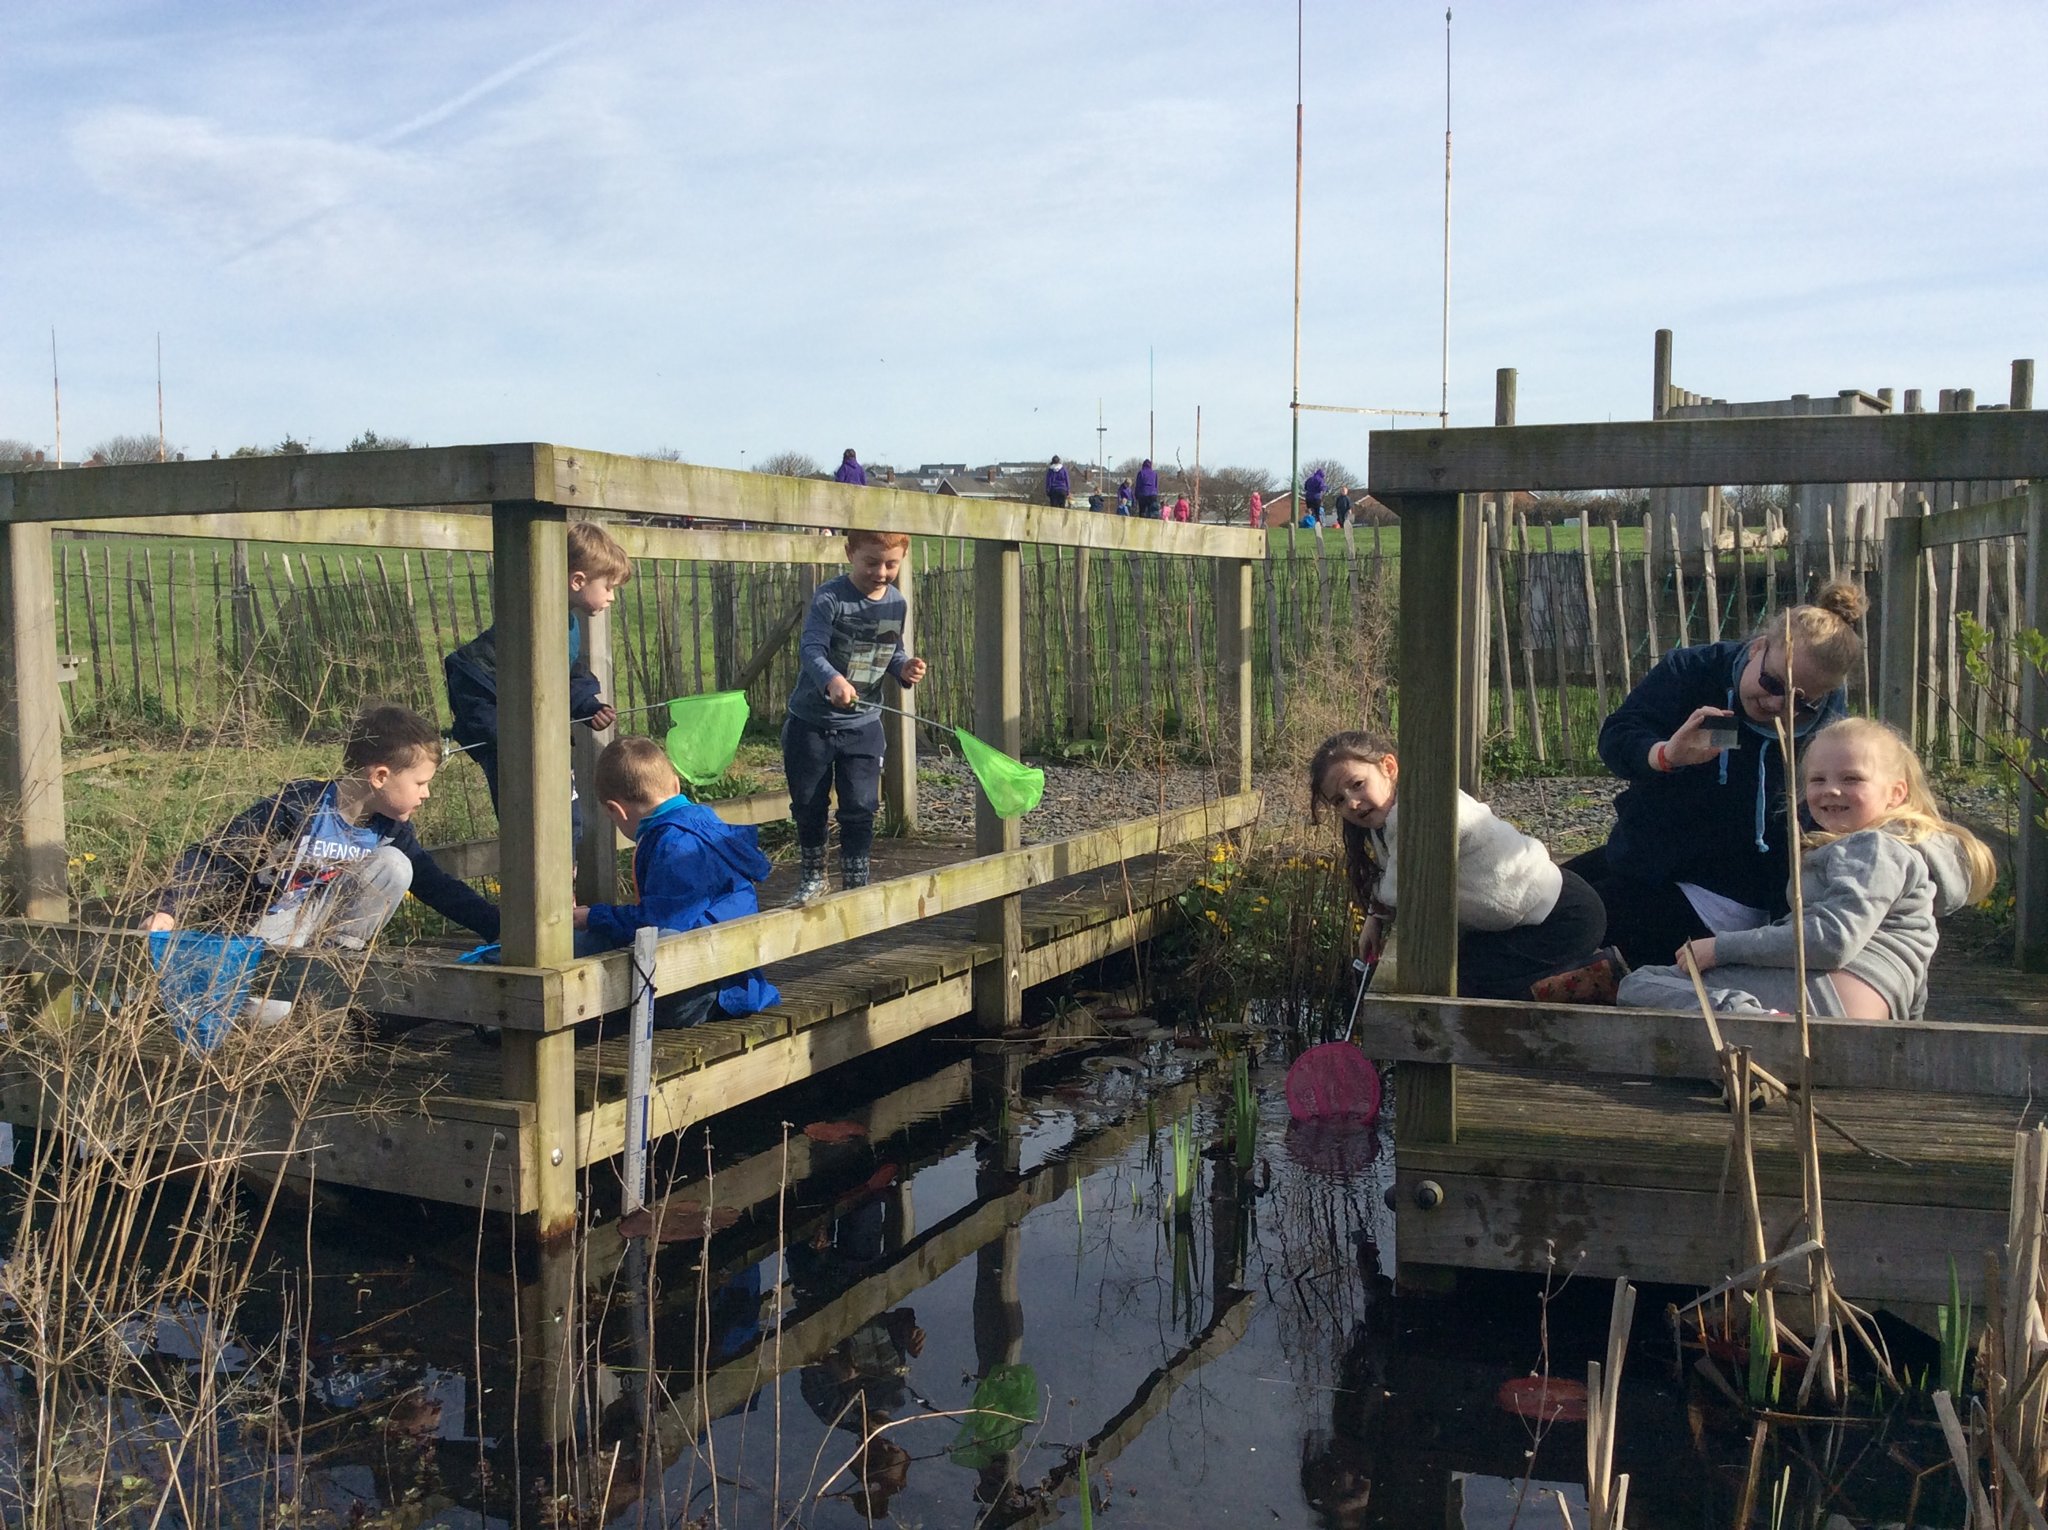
1955,1319
1087,1499
1184,1166
1244,1113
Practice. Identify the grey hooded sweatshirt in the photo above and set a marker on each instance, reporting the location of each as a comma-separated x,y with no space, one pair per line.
1871,901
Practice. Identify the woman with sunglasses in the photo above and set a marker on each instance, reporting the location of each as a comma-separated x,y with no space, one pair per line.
1698,846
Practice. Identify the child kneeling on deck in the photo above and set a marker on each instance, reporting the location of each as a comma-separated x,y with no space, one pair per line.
1523,921
326,863
1881,867
690,868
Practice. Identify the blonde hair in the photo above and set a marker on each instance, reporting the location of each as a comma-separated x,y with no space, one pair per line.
1360,868
1825,641
635,770
1919,816
596,553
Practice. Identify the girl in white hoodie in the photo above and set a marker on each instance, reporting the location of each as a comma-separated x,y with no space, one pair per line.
1521,917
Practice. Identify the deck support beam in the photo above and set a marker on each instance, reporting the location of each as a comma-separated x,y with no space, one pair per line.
31,731
2030,867
1234,672
529,584
899,757
1081,651
1899,626
999,720
1432,672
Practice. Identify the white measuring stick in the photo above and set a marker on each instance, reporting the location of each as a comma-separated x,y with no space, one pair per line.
639,1067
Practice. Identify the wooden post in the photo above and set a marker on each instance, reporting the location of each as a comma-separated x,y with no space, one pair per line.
597,859
1081,653
2022,395
1522,625
1899,632
999,720
1433,609
899,734
1651,652
2030,869
529,581
1276,656
31,731
1497,599
1682,638
1233,577
1592,598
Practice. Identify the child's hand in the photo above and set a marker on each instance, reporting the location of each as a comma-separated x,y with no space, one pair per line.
1370,938
913,671
841,692
1700,952
1689,746
161,921
602,718
581,916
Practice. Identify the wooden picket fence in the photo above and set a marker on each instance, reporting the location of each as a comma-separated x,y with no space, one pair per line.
177,633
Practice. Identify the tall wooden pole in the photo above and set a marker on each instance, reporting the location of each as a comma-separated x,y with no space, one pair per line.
999,720
1444,401
31,730
1294,397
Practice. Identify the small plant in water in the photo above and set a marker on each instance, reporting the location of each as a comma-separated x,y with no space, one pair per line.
1765,1373
1244,1113
1184,1166
1956,1319
1087,1498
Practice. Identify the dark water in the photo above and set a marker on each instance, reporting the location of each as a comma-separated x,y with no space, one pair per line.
1006,1215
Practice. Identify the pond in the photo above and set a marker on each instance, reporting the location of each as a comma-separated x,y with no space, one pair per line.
952,1283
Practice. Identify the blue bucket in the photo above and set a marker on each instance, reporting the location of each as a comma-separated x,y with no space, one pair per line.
203,981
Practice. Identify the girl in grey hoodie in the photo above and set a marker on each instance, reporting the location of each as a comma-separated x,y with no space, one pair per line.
1880,869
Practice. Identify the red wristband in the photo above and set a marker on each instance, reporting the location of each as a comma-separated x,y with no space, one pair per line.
1660,757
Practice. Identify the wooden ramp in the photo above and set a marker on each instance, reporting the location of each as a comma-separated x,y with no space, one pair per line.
1597,1140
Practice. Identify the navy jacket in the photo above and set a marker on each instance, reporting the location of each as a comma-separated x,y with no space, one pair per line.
472,675
221,880
691,869
1720,825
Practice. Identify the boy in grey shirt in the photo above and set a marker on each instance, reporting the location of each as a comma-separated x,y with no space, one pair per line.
853,636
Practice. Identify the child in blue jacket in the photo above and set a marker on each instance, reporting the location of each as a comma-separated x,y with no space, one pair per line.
690,867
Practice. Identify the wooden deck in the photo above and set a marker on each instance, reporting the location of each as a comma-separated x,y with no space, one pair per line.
426,1115
1606,1148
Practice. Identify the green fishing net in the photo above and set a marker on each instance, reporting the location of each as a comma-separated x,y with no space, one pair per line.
1013,787
1004,1405
706,734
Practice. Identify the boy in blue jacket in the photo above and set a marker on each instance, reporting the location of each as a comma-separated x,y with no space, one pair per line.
690,867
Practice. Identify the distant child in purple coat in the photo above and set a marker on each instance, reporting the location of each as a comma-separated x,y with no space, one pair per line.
690,869
1312,494
1056,483
1123,497
1148,490
850,470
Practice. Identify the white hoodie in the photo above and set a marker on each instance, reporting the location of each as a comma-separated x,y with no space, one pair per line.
1505,878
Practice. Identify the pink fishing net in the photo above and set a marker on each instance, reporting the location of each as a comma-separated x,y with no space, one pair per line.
1334,1079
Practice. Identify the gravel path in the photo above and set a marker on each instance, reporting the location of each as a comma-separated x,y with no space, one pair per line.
1568,813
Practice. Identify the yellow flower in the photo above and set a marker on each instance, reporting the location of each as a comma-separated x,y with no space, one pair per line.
90,856
1220,854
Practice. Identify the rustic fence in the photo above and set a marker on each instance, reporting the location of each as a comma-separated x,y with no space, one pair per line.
1118,646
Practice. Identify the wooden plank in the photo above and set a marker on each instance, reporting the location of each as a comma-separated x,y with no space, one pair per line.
1950,1057
1975,523
425,478
1880,1252
600,985
529,581
588,481
899,731
597,857
1704,453
35,881
2030,871
1081,651
1432,639
998,720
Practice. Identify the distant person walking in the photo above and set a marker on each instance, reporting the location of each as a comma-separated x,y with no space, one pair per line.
1258,509
1056,483
1312,495
1148,490
1344,506
850,470
1123,497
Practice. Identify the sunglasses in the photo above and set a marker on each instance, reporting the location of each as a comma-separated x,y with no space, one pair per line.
1773,685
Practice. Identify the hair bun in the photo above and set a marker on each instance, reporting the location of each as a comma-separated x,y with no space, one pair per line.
1844,600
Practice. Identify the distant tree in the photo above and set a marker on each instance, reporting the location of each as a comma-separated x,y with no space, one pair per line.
789,465
129,449
1752,501
290,446
370,441
664,454
250,451
1227,493
16,455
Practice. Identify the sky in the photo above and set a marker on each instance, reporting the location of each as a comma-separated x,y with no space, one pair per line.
953,232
